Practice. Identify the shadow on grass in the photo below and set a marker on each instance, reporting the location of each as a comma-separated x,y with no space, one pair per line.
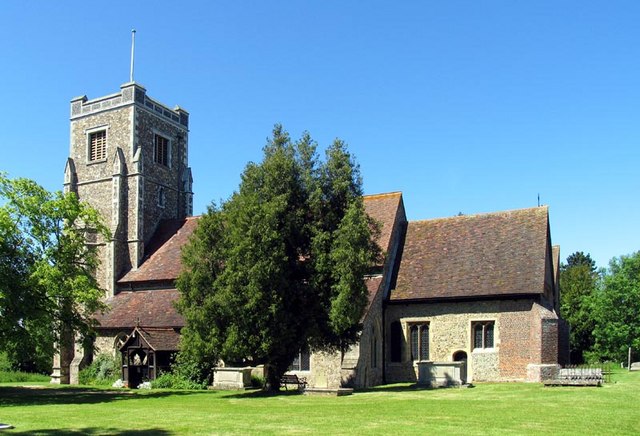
37,395
395,388
259,393
94,431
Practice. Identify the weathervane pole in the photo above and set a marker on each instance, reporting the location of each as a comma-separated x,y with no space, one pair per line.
133,46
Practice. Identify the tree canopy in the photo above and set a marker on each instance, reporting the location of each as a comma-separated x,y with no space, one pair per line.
47,280
280,265
616,309
578,282
602,308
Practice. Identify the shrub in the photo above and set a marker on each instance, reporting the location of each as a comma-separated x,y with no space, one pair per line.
175,380
5,363
19,376
184,374
257,381
104,370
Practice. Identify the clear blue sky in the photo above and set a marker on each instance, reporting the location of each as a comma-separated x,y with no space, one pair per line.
464,106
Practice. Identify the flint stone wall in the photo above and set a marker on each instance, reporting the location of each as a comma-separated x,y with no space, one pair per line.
519,336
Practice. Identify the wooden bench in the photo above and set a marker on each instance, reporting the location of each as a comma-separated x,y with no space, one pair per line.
293,379
577,377
571,382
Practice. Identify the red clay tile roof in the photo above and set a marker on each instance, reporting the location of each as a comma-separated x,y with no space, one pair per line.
384,209
556,260
163,259
373,284
484,255
146,308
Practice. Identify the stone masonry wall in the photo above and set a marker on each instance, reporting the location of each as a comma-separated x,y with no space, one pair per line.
368,352
450,331
356,368
105,343
95,179
160,176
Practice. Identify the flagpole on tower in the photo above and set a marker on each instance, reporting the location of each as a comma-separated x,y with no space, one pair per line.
133,46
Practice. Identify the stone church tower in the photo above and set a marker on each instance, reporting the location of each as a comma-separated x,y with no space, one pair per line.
128,158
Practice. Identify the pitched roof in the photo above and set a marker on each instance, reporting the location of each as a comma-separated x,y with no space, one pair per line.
163,257
373,284
384,208
485,255
158,339
163,260
147,308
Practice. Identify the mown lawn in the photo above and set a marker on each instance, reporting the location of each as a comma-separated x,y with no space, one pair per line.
513,408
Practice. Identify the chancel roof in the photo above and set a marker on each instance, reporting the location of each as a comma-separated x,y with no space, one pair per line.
470,256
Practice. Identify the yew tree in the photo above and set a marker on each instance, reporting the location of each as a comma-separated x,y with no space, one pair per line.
279,266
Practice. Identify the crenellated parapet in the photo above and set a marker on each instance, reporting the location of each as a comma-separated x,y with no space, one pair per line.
130,93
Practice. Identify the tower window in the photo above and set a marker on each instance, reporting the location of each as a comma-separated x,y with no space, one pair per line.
161,150
98,145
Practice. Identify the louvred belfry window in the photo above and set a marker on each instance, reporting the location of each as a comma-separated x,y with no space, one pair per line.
161,150
98,145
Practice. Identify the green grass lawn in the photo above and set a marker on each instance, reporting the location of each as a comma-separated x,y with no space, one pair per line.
514,408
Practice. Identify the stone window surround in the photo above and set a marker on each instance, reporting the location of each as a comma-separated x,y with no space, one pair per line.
158,133
162,197
88,133
483,322
419,323
303,357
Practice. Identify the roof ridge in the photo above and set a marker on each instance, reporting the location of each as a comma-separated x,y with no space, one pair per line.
481,214
381,195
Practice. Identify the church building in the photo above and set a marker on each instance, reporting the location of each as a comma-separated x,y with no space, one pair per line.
455,300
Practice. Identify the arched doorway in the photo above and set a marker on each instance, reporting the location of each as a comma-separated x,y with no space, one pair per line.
461,356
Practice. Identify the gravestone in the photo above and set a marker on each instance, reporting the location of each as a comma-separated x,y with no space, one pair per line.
635,366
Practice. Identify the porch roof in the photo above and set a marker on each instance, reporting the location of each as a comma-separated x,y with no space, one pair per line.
156,339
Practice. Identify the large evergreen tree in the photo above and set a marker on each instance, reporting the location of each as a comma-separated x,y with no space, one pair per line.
280,265
47,280
578,282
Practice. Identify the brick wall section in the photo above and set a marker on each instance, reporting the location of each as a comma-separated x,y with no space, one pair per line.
563,342
516,345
